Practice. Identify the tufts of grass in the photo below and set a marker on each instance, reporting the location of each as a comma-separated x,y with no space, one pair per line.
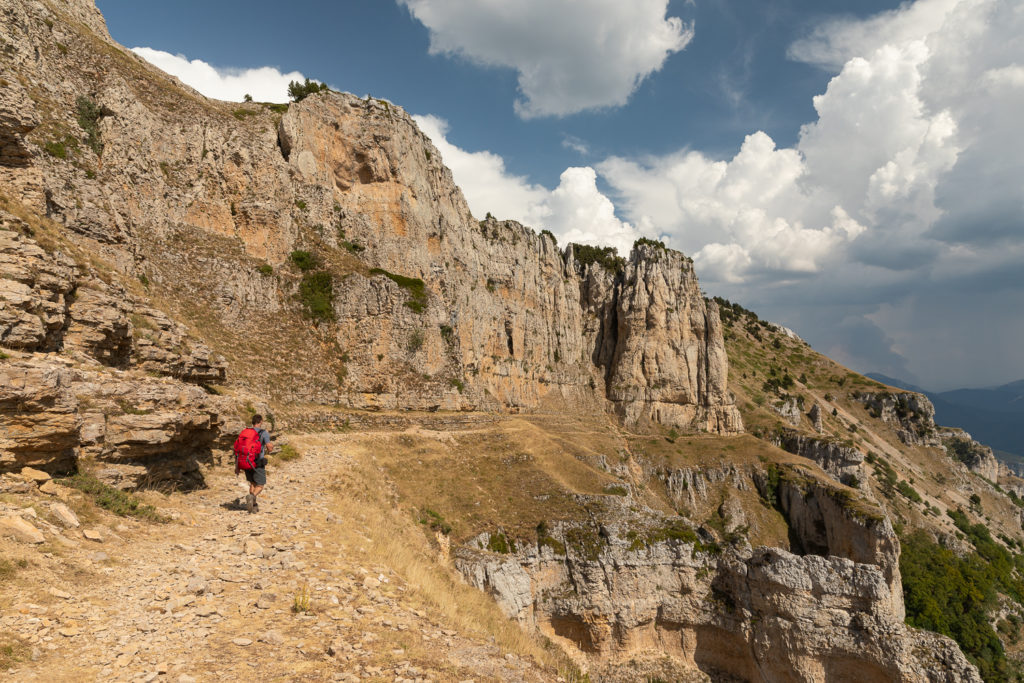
242,114
115,500
415,342
287,453
128,409
12,650
302,603
8,568
266,269
413,285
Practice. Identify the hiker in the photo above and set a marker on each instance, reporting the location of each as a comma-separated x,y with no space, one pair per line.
251,449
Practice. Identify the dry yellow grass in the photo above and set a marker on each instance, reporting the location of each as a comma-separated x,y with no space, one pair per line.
387,535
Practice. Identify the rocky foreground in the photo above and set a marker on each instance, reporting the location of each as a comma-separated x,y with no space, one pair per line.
210,596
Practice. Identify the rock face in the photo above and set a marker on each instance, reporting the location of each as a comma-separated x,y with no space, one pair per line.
431,308
789,410
100,398
911,414
844,463
977,457
643,604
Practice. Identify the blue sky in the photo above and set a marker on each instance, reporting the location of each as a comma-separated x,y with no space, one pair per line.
851,169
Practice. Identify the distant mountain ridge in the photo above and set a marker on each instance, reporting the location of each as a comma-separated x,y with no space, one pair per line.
993,416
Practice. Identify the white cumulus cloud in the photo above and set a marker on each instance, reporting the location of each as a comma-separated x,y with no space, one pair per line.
264,84
570,55
575,211
901,203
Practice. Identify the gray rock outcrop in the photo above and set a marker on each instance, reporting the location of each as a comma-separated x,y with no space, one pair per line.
911,414
673,606
843,462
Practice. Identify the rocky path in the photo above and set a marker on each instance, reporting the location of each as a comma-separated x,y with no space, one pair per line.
211,597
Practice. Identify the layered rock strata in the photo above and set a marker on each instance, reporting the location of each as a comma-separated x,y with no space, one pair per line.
91,374
843,462
664,602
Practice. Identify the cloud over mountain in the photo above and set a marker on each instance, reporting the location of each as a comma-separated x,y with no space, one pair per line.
575,211
265,84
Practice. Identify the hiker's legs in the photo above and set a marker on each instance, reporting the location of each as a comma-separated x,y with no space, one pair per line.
255,490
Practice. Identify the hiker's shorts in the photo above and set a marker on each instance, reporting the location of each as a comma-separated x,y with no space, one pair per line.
256,476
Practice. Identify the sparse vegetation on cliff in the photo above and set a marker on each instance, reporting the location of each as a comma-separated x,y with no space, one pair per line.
316,292
606,257
299,91
416,287
89,114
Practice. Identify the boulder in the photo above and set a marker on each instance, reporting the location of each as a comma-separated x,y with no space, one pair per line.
20,530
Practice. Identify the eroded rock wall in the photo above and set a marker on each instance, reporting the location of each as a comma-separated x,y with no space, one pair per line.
89,373
631,601
196,196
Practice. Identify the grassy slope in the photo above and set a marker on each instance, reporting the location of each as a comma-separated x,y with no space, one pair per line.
758,352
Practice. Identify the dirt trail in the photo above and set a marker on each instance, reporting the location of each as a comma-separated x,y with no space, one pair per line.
210,597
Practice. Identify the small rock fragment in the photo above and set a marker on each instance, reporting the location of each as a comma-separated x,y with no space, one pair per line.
32,474
20,530
272,638
50,488
64,515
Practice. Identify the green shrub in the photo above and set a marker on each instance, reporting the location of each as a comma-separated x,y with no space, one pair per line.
303,260
107,497
89,114
416,288
551,235
457,384
242,114
607,257
435,521
276,108
415,342
300,91
266,269
908,492
287,453
657,244
316,292
56,148
500,543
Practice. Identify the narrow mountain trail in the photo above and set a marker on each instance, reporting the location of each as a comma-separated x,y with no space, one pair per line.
220,594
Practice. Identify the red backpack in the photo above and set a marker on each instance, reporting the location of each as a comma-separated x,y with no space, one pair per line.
247,448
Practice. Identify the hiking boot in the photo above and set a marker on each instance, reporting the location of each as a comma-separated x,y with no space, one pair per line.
255,507
250,502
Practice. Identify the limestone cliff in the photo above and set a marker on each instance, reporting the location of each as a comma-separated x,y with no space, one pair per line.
427,307
664,601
